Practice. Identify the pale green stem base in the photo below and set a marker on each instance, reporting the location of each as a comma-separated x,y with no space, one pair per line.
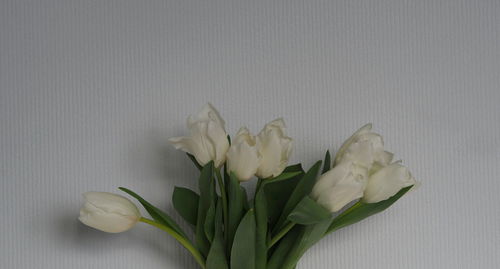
184,242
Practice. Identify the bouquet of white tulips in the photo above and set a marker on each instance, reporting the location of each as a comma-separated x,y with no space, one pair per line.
291,209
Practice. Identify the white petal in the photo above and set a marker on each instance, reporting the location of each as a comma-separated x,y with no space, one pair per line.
275,149
271,151
335,198
339,186
218,142
386,182
243,160
366,128
207,113
109,212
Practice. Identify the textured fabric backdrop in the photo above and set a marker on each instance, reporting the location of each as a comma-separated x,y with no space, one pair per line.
91,90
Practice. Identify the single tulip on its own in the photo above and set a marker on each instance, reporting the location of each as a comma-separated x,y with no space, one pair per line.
274,148
208,138
243,158
109,212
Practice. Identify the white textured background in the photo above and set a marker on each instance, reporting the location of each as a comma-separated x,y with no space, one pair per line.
91,90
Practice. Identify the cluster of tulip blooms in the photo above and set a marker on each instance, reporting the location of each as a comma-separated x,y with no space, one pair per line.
291,209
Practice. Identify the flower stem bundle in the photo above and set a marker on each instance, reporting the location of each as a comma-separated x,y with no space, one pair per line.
291,208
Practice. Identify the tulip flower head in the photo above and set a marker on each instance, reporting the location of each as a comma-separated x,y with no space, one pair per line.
339,186
109,212
243,158
274,148
386,182
365,148
208,138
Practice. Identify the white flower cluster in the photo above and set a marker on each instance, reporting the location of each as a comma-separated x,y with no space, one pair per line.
264,155
362,169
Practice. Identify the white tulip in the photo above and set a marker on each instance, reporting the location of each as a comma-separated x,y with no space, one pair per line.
109,212
339,186
243,157
365,148
386,182
208,138
274,148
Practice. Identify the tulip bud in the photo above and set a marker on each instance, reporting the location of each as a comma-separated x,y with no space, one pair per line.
386,182
208,138
275,148
242,157
339,186
108,212
364,148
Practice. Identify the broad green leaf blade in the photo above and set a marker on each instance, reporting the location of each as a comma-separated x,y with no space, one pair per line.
243,249
206,185
236,211
302,189
277,194
360,211
309,212
195,162
156,213
186,201
309,235
283,248
216,258
327,164
261,232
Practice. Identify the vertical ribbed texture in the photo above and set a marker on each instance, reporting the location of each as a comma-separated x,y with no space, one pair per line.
91,90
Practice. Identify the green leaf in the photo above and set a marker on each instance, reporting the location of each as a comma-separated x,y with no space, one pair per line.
195,162
309,212
236,196
206,185
261,232
243,249
278,192
327,164
302,189
216,258
283,248
156,213
360,211
186,201
210,223
282,176
308,236
294,168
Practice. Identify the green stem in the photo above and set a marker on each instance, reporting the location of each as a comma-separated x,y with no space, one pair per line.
281,233
224,199
184,242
